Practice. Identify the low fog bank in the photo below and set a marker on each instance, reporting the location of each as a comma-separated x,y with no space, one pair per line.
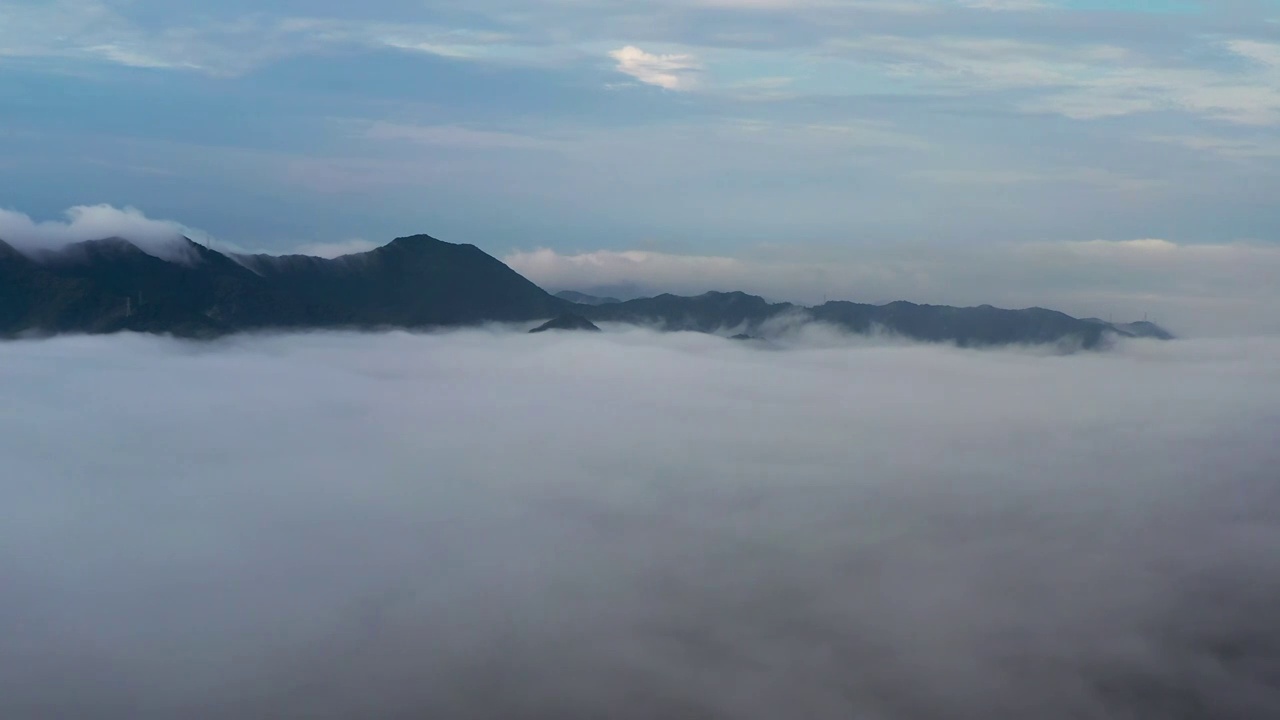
630,525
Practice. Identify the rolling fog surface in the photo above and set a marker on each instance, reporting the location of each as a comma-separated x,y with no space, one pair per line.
486,524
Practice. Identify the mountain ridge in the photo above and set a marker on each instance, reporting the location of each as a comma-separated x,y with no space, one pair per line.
582,298
418,281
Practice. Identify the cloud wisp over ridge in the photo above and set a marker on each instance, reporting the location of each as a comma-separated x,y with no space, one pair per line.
96,222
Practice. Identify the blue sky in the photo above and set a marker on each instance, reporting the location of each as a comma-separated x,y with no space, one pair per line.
879,137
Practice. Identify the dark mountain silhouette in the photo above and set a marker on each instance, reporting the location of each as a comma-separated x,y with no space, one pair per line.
111,285
568,321
614,291
743,314
1143,329
582,298
967,327
709,312
1139,329
416,281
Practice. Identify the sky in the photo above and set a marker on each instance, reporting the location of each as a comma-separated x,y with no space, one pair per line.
486,524
1100,157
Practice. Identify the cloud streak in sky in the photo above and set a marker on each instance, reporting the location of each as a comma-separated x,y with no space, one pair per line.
674,71
483,524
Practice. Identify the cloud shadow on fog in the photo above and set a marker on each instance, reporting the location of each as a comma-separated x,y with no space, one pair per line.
488,524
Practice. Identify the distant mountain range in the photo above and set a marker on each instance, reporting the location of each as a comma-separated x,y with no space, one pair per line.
111,285
582,298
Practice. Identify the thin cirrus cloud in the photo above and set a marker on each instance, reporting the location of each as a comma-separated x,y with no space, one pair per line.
1087,81
221,45
456,137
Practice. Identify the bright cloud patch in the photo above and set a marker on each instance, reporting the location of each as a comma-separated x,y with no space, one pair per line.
672,71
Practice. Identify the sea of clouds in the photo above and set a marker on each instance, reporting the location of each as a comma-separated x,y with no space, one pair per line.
486,524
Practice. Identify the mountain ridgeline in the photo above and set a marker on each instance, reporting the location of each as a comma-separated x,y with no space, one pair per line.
112,285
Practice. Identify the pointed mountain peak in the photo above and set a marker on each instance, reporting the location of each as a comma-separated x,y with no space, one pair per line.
414,242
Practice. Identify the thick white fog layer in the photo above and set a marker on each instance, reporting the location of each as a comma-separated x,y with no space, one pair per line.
629,525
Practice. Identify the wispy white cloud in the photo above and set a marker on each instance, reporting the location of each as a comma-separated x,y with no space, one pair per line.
1005,5
1073,176
1067,77
1237,148
122,55
672,71
335,249
96,30
1085,81
92,29
879,6
454,136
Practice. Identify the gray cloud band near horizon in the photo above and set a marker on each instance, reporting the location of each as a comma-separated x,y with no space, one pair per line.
489,524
